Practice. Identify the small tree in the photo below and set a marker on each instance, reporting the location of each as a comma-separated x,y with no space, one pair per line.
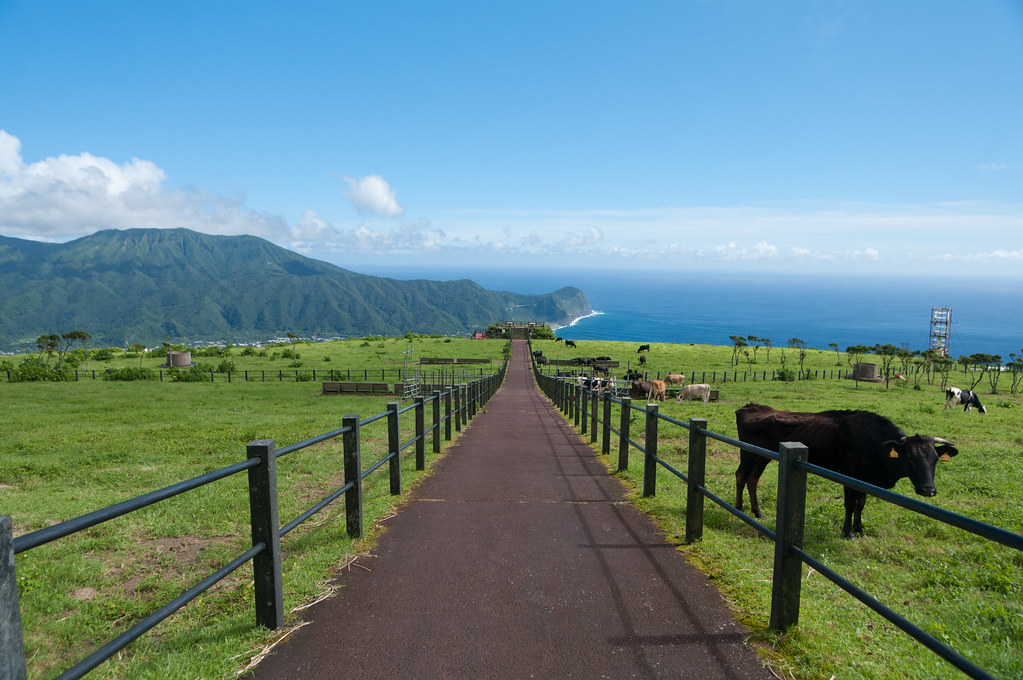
838,357
854,353
754,343
800,346
141,349
83,338
943,367
768,346
887,353
48,344
990,365
738,342
1015,366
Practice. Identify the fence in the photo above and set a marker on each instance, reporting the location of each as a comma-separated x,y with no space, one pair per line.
583,407
441,376
460,405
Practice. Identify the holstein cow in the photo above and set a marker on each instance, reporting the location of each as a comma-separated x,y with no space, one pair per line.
857,444
651,389
674,379
643,348
955,396
698,391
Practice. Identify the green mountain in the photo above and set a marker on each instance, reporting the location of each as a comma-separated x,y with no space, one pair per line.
148,285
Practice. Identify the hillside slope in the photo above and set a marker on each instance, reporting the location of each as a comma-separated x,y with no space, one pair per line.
150,285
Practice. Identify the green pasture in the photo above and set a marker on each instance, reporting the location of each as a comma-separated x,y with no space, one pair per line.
69,448
965,591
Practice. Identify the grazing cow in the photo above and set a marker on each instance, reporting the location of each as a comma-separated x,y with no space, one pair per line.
558,339
570,343
675,378
601,369
643,348
538,352
584,361
699,391
857,444
955,396
642,359
541,360
633,374
651,389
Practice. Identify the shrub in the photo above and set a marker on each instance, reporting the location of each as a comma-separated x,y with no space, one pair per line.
103,354
34,368
225,366
193,374
249,352
303,377
129,374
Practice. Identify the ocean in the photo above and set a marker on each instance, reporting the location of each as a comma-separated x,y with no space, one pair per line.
706,308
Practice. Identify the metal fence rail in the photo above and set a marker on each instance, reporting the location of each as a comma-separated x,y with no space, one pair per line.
571,397
460,403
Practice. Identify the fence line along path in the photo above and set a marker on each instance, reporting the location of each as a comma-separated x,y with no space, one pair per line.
519,558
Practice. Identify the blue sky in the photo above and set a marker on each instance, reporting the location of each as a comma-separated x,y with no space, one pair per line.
818,135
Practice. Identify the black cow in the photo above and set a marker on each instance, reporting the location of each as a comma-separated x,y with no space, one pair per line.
570,343
955,396
633,374
643,348
642,359
641,389
558,339
604,370
541,361
538,353
603,358
584,361
857,444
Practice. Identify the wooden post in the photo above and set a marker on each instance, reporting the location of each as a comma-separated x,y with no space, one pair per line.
623,438
650,444
12,643
583,409
353,475
447,414
697,479
436,421
393,447
788,567
266,566
420,433
606,445
457,393
464,389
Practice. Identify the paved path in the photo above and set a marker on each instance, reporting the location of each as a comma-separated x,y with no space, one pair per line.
519,558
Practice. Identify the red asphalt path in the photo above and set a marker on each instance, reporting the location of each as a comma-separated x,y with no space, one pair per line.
518,557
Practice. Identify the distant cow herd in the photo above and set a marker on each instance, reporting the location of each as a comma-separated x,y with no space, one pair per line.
858,444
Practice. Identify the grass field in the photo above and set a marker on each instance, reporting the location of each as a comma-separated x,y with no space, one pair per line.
72,448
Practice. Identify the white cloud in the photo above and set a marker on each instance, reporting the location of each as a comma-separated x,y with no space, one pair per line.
373,194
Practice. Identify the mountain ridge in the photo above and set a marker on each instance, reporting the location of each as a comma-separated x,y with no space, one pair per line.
151,285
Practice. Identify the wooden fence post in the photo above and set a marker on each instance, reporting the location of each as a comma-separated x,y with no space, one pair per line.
577,398
12,642
353,475
420,433
266,566
606,446
464,389
436,421
623,437
650,444
583,416
697,479
594,400
788,567
447,414
394,447
457,393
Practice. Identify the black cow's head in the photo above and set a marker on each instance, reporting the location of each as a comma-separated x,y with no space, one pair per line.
917,456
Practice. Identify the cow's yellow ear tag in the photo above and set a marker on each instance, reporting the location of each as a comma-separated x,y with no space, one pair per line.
945,457
893,454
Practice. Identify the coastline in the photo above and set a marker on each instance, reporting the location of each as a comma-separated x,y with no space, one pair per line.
576,320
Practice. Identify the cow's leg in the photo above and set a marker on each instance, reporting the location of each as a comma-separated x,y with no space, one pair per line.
747,476
854,503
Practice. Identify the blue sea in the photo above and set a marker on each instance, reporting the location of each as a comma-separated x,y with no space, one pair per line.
707,308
